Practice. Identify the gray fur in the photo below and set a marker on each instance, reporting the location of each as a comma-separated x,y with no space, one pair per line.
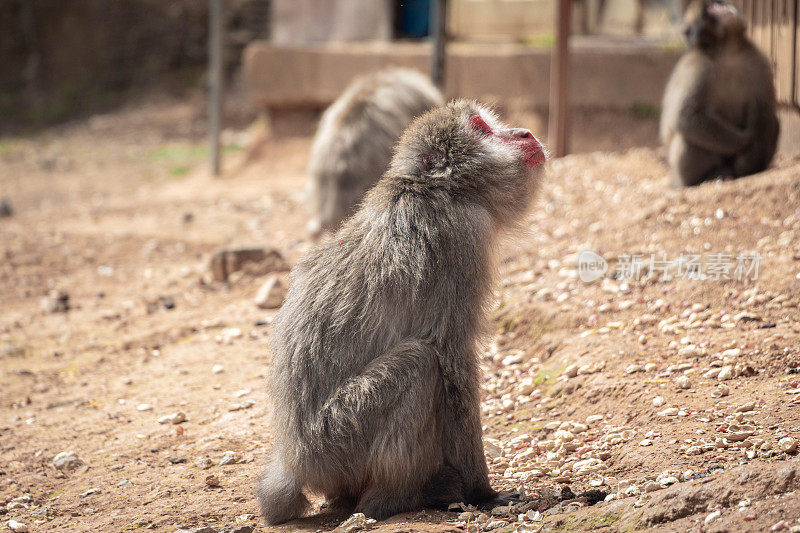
375,376
718,116
354,141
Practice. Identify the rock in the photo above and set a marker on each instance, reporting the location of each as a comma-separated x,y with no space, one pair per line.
658,401
495,524
229,458
5,209
669,411
788,444
144,407
67,461
259,261
176,459
174,418
354,523
243,529
726,373
17,527
212,480
217,369
203,463
272,292
56,302
683,382
713,516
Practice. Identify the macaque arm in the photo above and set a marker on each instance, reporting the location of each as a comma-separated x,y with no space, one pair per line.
403,376
462,434
702,128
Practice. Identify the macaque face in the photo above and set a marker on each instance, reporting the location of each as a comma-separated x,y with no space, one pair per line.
529,148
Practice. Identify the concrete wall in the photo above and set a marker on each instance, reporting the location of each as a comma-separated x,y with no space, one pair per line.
313,76
310,21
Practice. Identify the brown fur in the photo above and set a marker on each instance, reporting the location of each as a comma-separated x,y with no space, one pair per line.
719,116
375,375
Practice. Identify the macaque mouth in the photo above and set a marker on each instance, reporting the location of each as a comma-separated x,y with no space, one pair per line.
535,159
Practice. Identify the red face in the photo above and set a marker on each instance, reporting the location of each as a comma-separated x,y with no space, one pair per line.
530,148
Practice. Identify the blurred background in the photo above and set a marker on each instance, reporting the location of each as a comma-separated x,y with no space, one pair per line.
288,59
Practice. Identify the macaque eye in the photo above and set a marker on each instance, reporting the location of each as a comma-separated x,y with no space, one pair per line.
479,125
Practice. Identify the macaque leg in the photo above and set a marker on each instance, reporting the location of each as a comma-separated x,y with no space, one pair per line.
691,164
392,406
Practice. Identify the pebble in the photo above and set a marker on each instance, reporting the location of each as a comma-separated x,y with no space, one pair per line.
713,516
683,382
725,373
658,401
720,390
571,371
669,411
203,463
176,459
5,209
272,293
67,461
229,458
57,302
646,442
788,444
212,480
144,407
354,523
783,525
217,369
174,418
495,524
17,527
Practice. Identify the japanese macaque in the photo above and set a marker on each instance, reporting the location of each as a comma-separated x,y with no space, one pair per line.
354,141
718,117
375,376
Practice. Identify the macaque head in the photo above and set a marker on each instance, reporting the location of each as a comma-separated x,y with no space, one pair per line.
709,23
465,150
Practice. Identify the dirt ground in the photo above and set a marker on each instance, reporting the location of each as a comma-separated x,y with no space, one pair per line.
678,398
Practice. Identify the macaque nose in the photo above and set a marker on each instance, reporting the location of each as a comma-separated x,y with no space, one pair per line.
522,133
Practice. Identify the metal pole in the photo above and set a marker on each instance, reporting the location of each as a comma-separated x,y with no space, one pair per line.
215,64
439,21
559,82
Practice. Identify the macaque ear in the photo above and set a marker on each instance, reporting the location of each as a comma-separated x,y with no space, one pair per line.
479,125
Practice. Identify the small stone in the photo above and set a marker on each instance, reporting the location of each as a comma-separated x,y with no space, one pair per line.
783,525
67,461
144,407
646,442
203,463
720,390
217,369
632,369
658,401
212,480
788,444
726,373
174,418
256,261
669,411
229,458
17,527
89,492
571,371
745,407
713,516
57,302
176,459
683,382
495,524
248,529
5,209
354,523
